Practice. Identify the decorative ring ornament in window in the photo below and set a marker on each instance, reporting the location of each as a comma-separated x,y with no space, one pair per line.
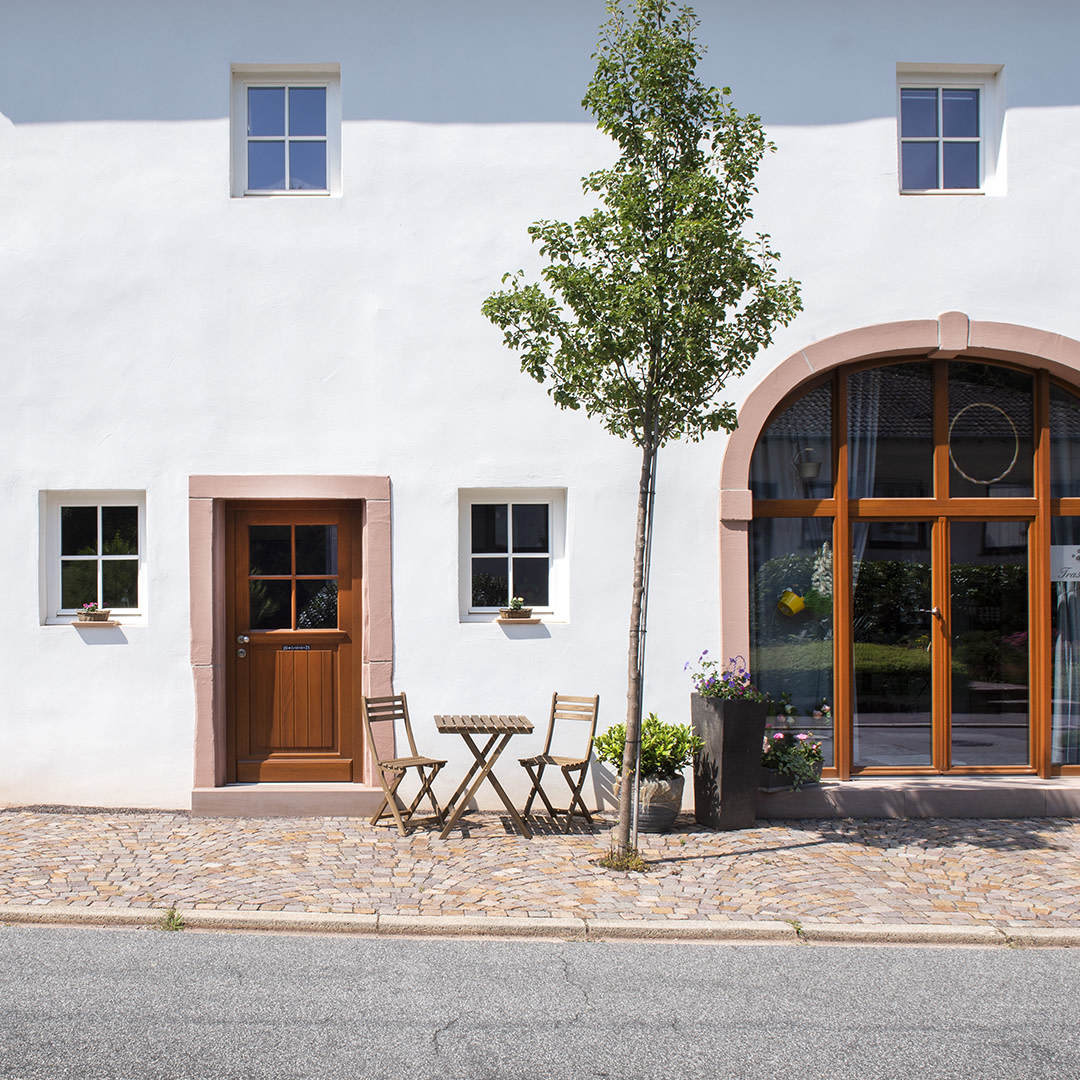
1016,443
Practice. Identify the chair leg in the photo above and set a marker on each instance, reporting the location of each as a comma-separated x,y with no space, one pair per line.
535,777
390,801
575,795
425,789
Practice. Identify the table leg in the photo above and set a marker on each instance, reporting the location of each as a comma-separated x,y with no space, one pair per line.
479,755
485,764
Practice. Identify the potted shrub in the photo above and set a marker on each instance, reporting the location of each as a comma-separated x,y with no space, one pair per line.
727,712
666,749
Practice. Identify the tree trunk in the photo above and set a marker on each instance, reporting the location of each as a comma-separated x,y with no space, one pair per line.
635,664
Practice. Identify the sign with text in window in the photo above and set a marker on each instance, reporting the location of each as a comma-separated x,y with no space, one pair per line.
1064,562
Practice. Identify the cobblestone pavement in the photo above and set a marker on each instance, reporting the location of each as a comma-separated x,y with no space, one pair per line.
960,873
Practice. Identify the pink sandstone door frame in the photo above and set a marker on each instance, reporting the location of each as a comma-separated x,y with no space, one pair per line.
207,497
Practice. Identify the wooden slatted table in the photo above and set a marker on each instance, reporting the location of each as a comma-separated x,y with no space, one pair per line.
500,729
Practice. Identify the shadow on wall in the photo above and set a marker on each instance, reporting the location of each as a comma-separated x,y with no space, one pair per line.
496,61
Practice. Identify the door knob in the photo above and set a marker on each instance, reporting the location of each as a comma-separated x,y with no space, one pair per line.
241,653
243,639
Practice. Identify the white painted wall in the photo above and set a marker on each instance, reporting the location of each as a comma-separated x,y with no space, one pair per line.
154,328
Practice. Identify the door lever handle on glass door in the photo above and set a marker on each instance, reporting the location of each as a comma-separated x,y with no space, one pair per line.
935,611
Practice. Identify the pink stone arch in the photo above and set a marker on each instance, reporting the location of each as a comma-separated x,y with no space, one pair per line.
949,335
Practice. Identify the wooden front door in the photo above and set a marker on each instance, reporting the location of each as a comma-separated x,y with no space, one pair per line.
293,621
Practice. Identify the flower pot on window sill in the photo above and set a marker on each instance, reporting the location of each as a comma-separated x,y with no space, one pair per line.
101,615
515,613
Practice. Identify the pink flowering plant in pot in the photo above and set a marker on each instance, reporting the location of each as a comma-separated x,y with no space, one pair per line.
794,755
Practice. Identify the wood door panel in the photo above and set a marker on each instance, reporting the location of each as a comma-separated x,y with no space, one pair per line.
292,691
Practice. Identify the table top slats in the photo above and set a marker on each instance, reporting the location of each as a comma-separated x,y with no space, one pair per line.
483,724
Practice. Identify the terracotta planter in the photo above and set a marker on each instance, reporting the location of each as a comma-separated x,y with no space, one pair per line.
727,770
659,801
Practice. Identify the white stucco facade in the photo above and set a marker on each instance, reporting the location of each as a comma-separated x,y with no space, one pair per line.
157,328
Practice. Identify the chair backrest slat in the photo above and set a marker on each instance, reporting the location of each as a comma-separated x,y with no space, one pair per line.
566,707
381,709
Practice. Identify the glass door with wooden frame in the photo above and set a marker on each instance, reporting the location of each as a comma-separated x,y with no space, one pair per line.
928,483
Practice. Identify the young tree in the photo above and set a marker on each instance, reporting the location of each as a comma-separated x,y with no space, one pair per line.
652,301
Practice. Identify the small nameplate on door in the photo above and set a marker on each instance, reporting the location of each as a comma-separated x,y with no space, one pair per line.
296,648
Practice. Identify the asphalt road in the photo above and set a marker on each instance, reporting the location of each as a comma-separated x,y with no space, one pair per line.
117,1004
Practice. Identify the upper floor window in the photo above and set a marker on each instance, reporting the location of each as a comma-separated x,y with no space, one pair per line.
949,128
286,130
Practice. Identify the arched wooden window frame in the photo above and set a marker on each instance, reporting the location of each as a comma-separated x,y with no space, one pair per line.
1048,357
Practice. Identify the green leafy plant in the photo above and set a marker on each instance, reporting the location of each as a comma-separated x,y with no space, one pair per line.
629,860
731,683
517,603
172,920
665,748
659,294
793,754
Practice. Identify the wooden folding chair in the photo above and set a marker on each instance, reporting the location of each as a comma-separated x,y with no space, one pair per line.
564,708
390,709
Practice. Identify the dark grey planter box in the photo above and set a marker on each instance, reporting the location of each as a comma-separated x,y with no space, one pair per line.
771,780
728,768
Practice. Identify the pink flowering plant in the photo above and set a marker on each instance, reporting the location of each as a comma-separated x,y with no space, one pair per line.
731,683
92,606
795,755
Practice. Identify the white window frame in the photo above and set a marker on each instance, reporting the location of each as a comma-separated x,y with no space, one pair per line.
989,80
246,75
52,502
558,591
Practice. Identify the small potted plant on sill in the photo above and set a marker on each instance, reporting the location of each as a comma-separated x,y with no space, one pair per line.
727,711
92,613
666,749
516,610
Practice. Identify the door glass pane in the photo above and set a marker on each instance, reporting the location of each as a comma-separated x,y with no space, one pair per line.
120,583
316,549
793,456
270,549
531,581
891,629
490,582
990,420
271,605
1064,443
890,432
530,527
989,634
316,605
791,619
1065,635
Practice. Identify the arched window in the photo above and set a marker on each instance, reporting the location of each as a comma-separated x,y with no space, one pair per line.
915,566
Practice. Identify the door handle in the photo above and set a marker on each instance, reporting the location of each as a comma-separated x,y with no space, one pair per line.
243,639
935,611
